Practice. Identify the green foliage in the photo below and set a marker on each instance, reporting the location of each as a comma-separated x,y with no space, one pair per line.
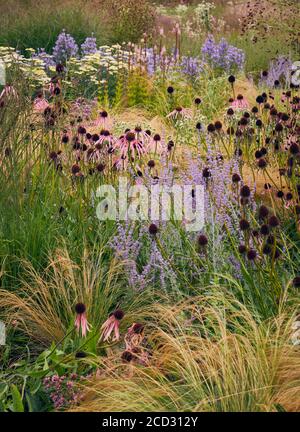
130,19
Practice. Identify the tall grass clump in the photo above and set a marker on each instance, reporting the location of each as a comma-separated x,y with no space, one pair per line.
207,354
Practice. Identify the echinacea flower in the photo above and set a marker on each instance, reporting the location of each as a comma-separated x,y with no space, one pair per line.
111,327
103,120
239,103
8,92
131,144
40,104
180,112
81,323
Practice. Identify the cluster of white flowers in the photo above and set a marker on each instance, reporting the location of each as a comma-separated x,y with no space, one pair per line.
32,68
88,69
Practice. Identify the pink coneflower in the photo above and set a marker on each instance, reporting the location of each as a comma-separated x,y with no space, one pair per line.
180,112
40,104
240,103
156,145
8,92
106,138
81,322
130,145
111,327
134,336
103,120
54,88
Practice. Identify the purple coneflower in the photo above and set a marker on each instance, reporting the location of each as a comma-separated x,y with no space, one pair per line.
111,327
81,323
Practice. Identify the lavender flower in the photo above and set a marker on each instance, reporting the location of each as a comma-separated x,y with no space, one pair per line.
222,55
89,46
45,57
65,48
279,69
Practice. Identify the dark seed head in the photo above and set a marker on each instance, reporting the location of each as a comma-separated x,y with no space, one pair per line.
296,282
265,230
138,328
245,191
151,163
153,229
236,178
262,163
80,354
252,254
118,314
130,136
126,356
244,225
202,240
267,249
80,308
242,249
75,169
273,221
